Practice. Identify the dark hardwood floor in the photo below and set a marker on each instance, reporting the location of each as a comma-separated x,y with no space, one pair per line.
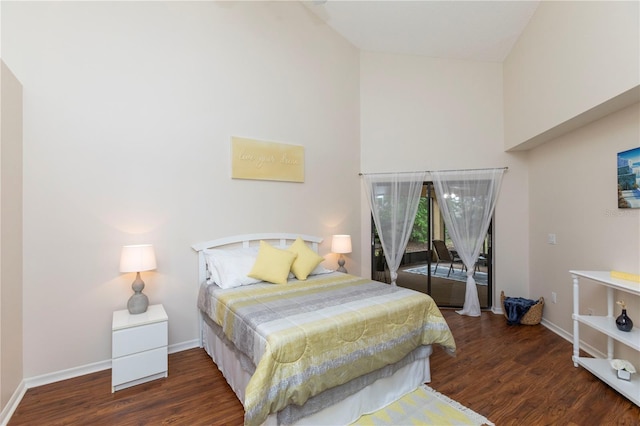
513,375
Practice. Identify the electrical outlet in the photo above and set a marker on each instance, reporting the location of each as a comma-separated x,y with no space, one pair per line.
554,297
551,239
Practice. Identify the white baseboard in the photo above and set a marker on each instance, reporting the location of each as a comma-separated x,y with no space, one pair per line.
179,347
569,337
560,332
12,404
70,373
565,335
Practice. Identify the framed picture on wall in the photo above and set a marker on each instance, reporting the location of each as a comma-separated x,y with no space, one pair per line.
629,179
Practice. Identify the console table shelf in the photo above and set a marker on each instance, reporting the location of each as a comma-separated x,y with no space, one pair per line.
601,368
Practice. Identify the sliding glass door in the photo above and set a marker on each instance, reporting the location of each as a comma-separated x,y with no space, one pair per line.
430,263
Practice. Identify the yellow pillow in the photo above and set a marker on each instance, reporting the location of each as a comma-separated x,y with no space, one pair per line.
306,261
272,264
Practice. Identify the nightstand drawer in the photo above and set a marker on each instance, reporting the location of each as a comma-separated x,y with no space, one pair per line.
137,366
137,339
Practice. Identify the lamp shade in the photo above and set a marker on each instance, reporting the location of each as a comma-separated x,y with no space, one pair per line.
341,244
137,258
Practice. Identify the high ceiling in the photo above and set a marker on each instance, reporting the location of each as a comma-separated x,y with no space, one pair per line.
471,30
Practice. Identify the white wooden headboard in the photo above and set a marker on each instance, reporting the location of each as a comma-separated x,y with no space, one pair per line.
246,240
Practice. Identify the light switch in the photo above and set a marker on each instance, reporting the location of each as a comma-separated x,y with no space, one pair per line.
551,238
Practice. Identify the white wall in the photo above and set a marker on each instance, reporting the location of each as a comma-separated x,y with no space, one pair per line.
128,112
421,113
10,234
571,83
573,193
573,57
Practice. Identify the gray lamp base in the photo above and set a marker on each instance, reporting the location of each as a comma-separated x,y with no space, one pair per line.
138,302
341,267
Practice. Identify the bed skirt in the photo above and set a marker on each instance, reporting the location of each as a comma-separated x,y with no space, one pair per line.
374,392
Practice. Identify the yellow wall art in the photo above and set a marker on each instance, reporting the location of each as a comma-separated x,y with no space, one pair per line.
261,160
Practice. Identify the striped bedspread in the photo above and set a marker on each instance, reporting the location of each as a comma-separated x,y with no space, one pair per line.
309,336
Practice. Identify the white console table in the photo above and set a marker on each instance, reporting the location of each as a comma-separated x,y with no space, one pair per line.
601,368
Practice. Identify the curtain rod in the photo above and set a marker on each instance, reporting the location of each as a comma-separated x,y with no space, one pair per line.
430,171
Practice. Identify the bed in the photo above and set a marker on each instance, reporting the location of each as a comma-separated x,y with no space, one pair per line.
301,344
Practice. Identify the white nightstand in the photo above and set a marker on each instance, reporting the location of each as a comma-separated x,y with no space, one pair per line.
139,347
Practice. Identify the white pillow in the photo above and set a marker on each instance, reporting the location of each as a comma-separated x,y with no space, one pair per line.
321,270
230,268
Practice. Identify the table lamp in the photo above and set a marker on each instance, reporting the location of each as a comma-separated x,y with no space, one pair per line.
137,258
341,244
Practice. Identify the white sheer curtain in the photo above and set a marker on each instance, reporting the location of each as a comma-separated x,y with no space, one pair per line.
393,199
467,199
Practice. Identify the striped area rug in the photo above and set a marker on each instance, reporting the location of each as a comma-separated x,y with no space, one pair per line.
424,406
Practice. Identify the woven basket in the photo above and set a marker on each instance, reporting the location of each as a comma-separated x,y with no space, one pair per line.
533,315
